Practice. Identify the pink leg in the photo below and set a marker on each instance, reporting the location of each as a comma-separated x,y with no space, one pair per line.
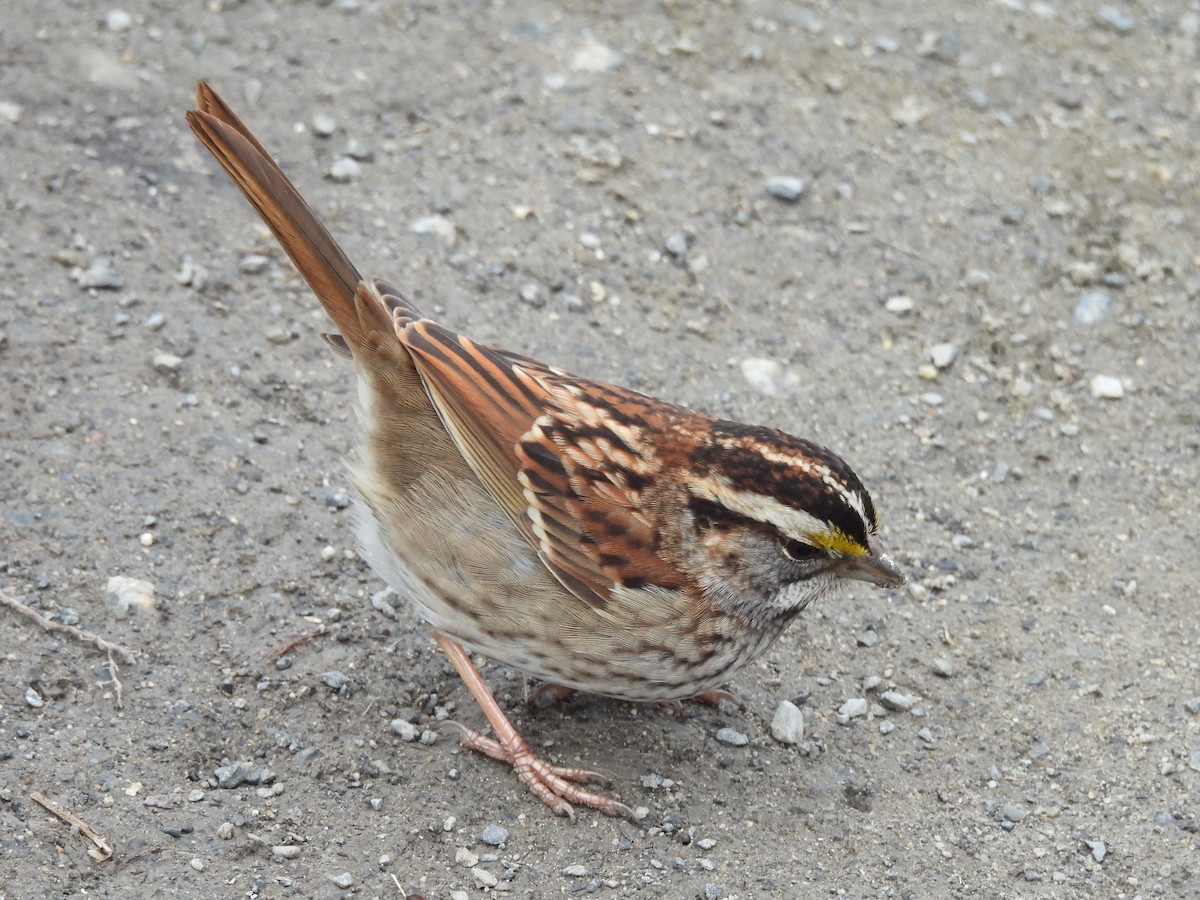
555,786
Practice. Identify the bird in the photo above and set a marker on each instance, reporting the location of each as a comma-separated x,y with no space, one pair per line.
581,533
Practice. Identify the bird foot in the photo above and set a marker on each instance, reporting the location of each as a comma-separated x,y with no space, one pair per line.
556,786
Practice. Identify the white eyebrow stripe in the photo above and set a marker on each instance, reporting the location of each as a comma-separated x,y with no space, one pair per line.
852,498
760,508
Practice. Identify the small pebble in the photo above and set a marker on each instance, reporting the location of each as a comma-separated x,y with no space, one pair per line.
343,881
943,355
484,877
1107,387
344,170
254,264
942,667
323,125
677,245
900,305
894,700
405,730
335,680
125,595
787,725
101,274
732,737
494,835
1013,812
1099,849
197,863
576,871
466,858
33,698
786,187
166,363
852,709
867,639
437,226
359,149
530,293
760,374
1113,18
887,726
1092,308
285,851
117,20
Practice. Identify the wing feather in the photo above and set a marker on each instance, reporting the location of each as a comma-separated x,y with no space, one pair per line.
569,475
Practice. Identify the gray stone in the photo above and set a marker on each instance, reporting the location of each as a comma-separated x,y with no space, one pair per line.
405,730
897,701
494,835
787,725
102,275
732,737
852,709
344,170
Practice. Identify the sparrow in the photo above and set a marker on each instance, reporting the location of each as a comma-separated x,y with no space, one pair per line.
579,532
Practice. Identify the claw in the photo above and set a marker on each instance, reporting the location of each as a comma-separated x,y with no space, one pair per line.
556,786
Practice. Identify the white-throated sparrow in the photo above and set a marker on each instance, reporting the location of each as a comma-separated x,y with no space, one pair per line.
579,532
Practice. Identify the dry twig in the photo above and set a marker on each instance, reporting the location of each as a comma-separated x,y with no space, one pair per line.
101,851
89,637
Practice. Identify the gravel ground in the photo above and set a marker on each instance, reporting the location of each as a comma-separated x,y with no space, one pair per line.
958,245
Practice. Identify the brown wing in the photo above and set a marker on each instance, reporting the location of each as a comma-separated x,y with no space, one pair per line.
567,458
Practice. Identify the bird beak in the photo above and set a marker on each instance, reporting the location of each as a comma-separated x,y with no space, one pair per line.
876,567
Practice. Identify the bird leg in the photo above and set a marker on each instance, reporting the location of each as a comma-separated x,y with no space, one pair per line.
556,786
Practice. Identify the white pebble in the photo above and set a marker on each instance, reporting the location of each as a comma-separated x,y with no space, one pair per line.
147,539
760,374
787,726
1107,387
943,355
117,20
124,594
344,170
900,305
167,363
438,226
328,553
786,187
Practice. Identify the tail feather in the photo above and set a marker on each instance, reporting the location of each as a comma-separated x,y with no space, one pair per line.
328,270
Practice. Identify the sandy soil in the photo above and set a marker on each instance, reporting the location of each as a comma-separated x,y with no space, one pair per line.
1017,180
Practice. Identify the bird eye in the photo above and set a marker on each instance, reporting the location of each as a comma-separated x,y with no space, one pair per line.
800,551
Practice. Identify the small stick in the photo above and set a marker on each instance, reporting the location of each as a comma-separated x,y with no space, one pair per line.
102,852
300,641
89,637
114,680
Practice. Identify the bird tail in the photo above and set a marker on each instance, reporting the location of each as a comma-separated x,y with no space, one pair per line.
355,306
